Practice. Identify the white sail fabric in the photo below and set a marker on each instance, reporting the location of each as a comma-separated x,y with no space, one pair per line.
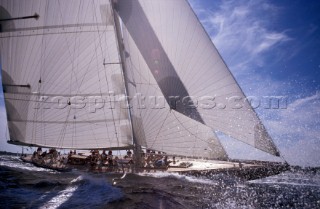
157,127
62,75
184,62
179,135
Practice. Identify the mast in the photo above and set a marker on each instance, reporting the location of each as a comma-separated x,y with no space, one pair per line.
136,145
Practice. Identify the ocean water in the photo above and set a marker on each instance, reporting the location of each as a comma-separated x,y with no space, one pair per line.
23,185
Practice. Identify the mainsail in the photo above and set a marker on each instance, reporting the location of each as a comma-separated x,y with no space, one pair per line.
62,75
69,68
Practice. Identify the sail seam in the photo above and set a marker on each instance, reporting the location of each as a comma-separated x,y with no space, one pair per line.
56,26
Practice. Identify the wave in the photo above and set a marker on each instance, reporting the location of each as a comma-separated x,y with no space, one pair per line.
181,177
28,186
289,184
16,163
291,179
85,191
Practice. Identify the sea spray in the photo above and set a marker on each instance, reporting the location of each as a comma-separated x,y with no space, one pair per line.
85,191
15,162
181,177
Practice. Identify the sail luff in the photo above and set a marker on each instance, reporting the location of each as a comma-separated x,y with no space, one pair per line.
117,26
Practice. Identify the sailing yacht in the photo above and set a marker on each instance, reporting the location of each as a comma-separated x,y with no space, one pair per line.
120,75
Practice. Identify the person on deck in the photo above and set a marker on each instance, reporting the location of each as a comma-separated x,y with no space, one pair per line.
143,159
129,153
159,163
103,156
162,162
110,161
39,151
94,157
44,154
110,154
174,160
149,161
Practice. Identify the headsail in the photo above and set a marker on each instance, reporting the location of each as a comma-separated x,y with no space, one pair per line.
156,126
62,75
183,61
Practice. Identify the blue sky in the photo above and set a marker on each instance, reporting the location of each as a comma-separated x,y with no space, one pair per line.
272,48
